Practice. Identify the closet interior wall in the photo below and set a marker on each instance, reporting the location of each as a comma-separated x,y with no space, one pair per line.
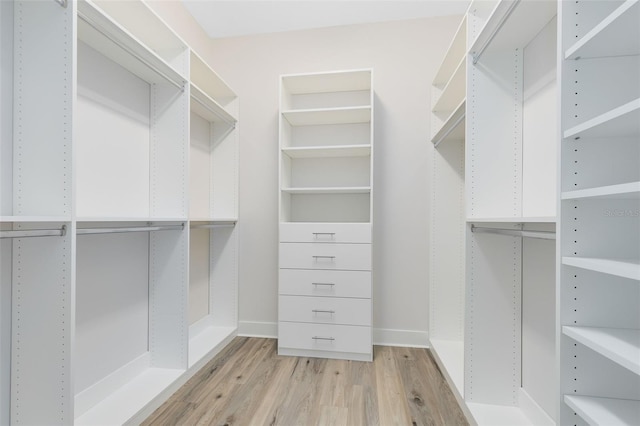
103,163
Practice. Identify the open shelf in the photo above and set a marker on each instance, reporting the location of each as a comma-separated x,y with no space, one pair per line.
329,190
620,345
629,190
605,411
454,91
621,268
208,80
209,109
616,35
338,81
328,151
621,121
540,219
314,117
456,50
453,127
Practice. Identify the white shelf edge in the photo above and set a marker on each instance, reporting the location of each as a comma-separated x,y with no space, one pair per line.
620,268
628,108
443,103
329,190
621,346
91,219
604,411
213,219
573,52
452,122
327,151
529,219
623,190
34,219
460,36
222,86
321,110
217,113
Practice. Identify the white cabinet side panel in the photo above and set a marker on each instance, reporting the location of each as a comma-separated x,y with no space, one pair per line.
493,319
224,276
6,109
224,174
112,313
5,328
112,133
200,168
538,322
198,275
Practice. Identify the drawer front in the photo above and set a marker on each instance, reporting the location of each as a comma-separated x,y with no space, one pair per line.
325,233
326,310
304,282
356,257
324,337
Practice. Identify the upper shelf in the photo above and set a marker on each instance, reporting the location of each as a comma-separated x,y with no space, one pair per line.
338,81
620,345
621,121
112,40
454,91
453,127
620,268
328,151
455,53
616,35
604,411
208,81
208,108
313,117
512,24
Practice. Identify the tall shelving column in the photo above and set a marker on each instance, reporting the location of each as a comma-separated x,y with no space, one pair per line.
325,194
599,256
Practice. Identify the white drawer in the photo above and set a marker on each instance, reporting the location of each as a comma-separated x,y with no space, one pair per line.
326,310
304,282
324,337
325,233
356,257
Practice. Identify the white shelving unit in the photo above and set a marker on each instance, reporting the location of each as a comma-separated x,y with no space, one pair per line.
599,256
325,194
96,214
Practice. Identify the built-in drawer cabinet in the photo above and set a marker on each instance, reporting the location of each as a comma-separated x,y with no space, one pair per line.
325,233
306,282
327,310
353,257
324,337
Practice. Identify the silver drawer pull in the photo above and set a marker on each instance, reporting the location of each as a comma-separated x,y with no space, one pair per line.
320,311
324,257
323,233
328,284
323,338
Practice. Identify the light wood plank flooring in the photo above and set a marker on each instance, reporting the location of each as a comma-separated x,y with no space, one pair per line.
249,384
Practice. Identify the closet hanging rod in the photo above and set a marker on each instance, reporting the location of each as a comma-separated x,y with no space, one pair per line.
545,235
448,132
178,84
494,32
86,231
214,225
214,112
27,233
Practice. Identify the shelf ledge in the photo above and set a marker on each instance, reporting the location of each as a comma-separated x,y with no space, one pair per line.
620,345
453,127
621,121
604,411
629,190
620,268
320,116
328,151
329,190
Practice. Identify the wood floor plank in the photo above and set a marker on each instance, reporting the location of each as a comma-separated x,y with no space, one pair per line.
249,384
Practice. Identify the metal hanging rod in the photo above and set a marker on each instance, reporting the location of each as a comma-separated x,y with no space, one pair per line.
62,3
494,32
28,233
216,113
214,225
85,18
545,235
86,231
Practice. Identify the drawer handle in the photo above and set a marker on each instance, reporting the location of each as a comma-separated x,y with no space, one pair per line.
328,284
324,257
323,338
321,311
317,234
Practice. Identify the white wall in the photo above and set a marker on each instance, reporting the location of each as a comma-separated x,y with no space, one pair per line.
404,56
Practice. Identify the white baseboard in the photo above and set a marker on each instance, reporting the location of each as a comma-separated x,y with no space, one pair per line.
532,410
267,330
381,336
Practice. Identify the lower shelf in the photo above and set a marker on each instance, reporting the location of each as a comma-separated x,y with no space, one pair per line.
605,411
498,415
203,340
450,353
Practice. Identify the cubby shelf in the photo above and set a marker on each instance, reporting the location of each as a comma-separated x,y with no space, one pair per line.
605,411
620,345
619,267
621,121
616,35
328,151
329,190
314,117
453,127
629,190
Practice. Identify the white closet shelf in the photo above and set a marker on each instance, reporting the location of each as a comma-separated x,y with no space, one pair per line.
629,190
338,81
454,92
523,219
451,354
125,402
213,220
329,190
203,76
88,219
605,411
456,50
207,108
328,151
621,121
625,268
34,219
453,127
109,38
497,415
511,25
620,345
314,117
616,35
